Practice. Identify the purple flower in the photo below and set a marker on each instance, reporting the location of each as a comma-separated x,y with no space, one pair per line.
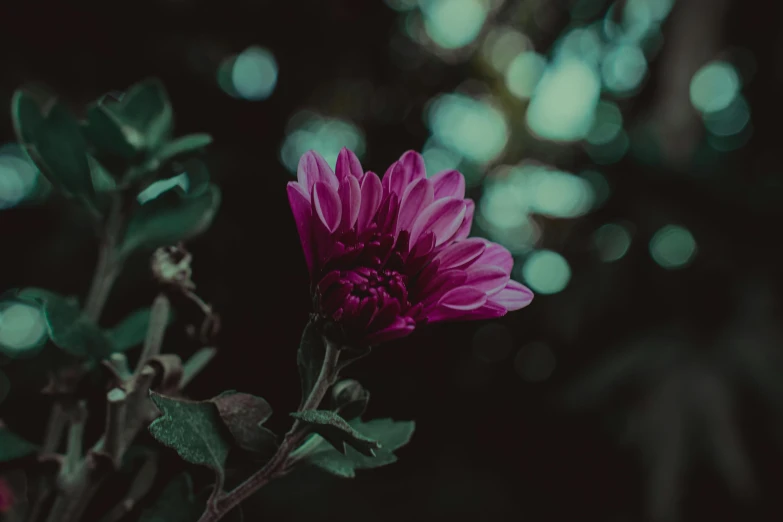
386,256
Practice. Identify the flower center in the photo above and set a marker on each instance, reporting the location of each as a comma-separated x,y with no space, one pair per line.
363,295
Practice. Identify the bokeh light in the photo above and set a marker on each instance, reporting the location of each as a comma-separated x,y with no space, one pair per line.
452,24
535,362
729,121
438,158
599,184
607,124
524,72
582,43
22,326
714,86
492,342
611,151
254,74
18,176
564,102
473,128
311,131
672,247
504,44
612,241
623,69
546,272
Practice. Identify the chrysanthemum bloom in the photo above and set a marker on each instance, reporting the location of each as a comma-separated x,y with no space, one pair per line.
386,256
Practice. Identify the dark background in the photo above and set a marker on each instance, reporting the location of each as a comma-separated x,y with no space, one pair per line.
692,428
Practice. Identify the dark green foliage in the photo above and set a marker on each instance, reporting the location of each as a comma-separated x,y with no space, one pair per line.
244,415
13,447
193,429
53,138
171,217
132,330
310,356
391,434
350,399
336,431
176,503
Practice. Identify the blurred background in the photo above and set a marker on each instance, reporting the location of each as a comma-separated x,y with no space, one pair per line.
624,151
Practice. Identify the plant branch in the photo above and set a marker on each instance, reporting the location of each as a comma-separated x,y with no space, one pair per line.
221,504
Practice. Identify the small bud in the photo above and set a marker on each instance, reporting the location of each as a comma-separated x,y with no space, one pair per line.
349,398
171,265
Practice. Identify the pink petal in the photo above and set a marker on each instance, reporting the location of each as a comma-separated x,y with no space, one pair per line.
449,183
489,279
467,222
496,255
300,206
313,168
401,327
385,315
514,296
409,168
442,217
326,205
351,198
463,298
444,282
417,197
490,310
371,193
461,253
348,165
456,303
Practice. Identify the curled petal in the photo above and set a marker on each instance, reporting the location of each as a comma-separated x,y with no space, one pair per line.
448,184
496,255
417,197
490,310
313,168
442,217
401,327
456,303
300,206
489,279
351,198
437,287
348,165
371,194
326,205
513,296
467,221
409,168
461,253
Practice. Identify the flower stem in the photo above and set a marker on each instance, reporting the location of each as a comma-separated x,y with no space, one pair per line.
221,504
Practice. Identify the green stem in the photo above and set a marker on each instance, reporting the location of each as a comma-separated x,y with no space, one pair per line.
220,504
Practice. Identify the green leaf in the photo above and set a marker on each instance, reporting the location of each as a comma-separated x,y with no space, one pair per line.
146,109
131,331
176,503
310,356
59,143
67,327
186,145
350,398
73,332
194,430
391,434
336,431
13,447
26,114
109,134
170,218
244,416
